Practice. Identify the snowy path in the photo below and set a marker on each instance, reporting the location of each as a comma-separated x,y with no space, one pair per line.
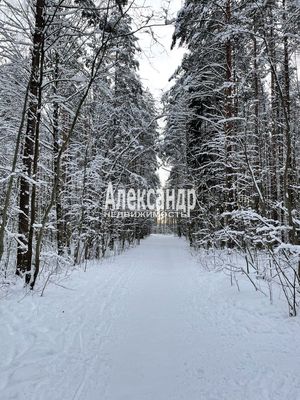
148,325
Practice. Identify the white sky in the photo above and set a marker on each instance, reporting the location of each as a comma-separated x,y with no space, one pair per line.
157,61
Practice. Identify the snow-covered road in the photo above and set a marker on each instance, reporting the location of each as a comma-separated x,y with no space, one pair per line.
149,324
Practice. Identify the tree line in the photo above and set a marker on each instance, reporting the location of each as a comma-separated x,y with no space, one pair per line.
74,116
233,131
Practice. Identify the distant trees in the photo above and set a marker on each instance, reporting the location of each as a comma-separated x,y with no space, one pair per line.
86,120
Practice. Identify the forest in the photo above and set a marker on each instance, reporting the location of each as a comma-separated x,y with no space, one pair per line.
149,199
75,116
232,127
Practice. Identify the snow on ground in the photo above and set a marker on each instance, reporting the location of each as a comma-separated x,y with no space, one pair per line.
150,324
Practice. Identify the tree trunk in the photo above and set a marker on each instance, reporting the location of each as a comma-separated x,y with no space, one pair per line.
23,252
228,115
288,172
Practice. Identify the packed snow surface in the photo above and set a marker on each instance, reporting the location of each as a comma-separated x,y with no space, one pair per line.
150,324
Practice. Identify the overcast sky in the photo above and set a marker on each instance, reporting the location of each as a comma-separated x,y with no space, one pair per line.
157,61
